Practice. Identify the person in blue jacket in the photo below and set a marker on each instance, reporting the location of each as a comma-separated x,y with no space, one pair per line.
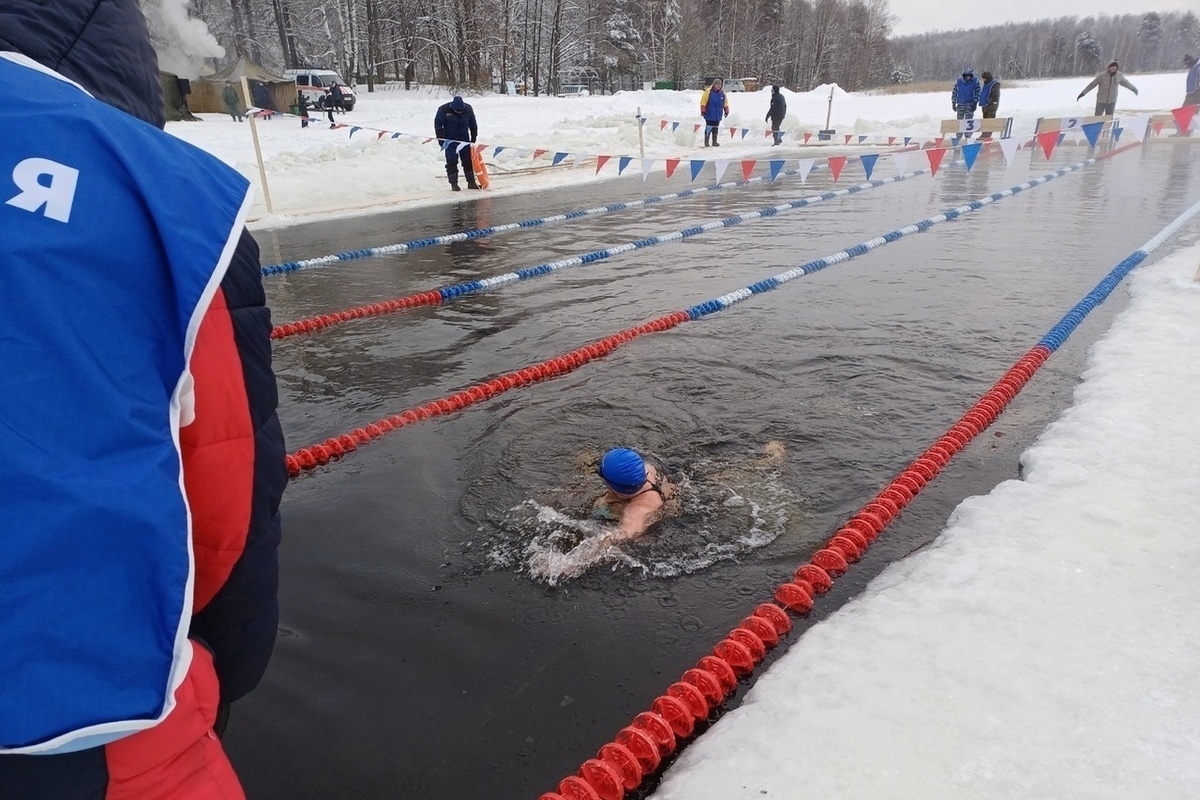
456,131
964,97
714,107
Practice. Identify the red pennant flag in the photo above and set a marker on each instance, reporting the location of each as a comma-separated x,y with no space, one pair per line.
600,162
807,136
427,141
696,128
936,155
747,169
1183,118
848,138
891,140
662,124
672,163
379,135
1047,140
1158,126
732,132
835,166
537,153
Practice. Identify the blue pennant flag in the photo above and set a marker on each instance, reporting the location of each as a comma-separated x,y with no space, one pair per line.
395,136
1116,133
970,153
868,163
498,151
907,139
744,132
623,163
354,130
558,157
862,138
1061,136
696,167
1092,132
776,167
674,126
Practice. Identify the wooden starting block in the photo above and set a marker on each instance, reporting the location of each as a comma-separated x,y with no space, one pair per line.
1068,124
1000,125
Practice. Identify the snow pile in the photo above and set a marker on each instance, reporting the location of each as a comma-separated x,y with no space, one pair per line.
1045,645
315,169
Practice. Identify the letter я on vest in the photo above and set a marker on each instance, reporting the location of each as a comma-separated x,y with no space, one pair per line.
110,258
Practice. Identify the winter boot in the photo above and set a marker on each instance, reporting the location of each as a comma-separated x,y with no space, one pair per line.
471,184
452,176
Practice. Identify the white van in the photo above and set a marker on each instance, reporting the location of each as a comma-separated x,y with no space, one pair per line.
314,84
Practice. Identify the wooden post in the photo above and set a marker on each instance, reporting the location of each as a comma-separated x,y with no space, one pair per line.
262,170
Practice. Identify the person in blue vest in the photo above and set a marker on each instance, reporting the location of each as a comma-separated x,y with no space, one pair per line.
964,96
139,507
714,107
1192,82
456,129
989,98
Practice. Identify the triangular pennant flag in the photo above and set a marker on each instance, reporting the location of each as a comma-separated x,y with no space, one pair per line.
862,139
776,168
849,136
647,163
1157,126
674,127
539,152
1183,118
891,140
720,166
1117,130
445,143
430,139
766,133
558,159
354,130
936,154
578,157
1138,127
662,125
696,128
622,163
868,162
744,132
1009,148
498,151
938,142
748,169
900,160
462,146
395,136
732,132
600,162
696,166
970,153
1061,137
807,136
907,140
672,164
835,166
380,135
1092,132
804,166
1047,140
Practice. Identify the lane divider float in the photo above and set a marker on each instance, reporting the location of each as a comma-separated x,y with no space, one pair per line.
444,294
309,458
637,750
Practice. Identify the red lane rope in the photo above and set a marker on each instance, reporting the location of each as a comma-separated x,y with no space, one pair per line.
313,456
638,749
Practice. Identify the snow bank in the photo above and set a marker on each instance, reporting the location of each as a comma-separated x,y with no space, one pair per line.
1045,645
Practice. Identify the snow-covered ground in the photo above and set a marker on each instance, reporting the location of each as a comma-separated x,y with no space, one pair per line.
317,170
1045,645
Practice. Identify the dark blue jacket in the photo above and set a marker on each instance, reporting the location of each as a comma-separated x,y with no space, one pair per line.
458,126
965,93
714,108
989,93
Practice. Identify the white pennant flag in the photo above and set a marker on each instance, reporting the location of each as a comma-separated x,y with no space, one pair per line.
1009,148
578,159
720,166
647,163
901,162
805,166
461,145
1137,127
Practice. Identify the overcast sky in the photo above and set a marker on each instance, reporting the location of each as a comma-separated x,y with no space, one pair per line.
919,16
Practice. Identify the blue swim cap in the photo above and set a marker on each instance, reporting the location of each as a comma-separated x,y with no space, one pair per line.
623,470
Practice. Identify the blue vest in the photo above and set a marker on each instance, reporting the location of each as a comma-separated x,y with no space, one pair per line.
114,237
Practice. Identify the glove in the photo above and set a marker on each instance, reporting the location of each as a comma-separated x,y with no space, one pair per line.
727,110
1079,98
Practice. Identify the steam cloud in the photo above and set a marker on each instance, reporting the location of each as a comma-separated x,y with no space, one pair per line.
182,43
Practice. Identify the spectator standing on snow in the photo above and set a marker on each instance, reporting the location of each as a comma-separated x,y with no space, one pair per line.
714,107
964,96
337,97
989,95
232,103
1107,84
140,526
776,113
302,109
1192,84
456,130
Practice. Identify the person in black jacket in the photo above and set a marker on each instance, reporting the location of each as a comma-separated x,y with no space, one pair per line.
776,113
456,131
230,444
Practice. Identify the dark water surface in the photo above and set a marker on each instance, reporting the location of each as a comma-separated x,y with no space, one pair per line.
419,659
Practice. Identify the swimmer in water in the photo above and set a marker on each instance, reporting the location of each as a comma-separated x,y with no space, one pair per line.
636,494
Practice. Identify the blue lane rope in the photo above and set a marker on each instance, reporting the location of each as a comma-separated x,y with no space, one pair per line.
862,248
479,233
1055,337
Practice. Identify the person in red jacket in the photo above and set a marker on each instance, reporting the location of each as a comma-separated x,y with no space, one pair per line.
223,440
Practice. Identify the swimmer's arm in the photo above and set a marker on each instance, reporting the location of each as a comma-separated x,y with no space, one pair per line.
634,522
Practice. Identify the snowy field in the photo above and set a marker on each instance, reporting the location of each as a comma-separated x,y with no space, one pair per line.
1045,646
316,170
